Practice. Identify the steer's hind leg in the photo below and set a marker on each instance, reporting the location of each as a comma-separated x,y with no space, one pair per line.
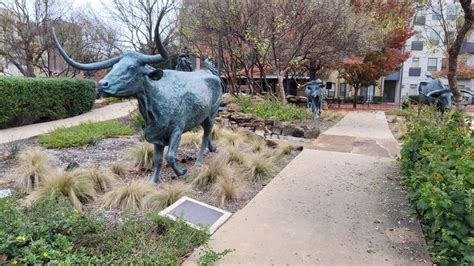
155,176
171,155
206,139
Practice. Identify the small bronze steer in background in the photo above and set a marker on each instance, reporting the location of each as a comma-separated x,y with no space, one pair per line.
171,102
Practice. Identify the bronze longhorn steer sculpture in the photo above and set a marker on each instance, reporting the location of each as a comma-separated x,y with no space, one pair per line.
314,92
171,102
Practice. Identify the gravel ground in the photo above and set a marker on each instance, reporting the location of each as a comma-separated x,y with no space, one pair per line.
112,150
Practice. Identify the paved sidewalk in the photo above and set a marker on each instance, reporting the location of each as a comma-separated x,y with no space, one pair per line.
329,208
105,113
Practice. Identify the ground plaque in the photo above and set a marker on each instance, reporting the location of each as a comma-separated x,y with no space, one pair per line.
197,214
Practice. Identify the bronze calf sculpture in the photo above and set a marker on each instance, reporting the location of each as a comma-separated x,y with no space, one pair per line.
171,102
314,92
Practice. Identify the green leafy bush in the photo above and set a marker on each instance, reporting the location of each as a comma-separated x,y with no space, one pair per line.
270,108
51,231
29,100
85,133
438,165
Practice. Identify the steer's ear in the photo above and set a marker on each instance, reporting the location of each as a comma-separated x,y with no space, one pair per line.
155,74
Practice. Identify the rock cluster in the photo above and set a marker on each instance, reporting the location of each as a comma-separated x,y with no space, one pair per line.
270,126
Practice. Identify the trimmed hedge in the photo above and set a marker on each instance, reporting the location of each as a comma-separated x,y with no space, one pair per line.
437,160
30,100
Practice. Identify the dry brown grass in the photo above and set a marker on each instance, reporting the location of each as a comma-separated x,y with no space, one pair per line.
101,179
169,194
34,166
286,148
230,138
191,139
234,155
143,155
259,167
330,116
216,132
76,188
119,169
130,197
227,188
209,173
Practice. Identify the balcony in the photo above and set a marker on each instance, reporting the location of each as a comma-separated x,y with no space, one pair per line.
417,46
414,71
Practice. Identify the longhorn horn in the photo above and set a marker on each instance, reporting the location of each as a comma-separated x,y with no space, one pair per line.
163,55
467,91
437,92
88,67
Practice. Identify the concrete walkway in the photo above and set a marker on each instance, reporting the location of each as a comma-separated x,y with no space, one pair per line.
105,113
330,208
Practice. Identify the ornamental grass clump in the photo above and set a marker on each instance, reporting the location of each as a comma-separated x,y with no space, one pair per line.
234,155
34,166
226,188
143,155
209,173
169,194
129,197
258,167
118,169
75,187
191,139
101,179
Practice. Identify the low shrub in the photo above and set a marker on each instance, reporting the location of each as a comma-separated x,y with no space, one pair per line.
29,100
437,161
51,232
271,109
34,165
85,133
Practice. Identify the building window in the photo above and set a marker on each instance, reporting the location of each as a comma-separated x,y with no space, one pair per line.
414,71
433,37
432,64
415,62
342,90
417,46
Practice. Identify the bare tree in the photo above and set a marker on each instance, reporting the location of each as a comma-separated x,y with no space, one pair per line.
277,37
25,27
454,21
138,17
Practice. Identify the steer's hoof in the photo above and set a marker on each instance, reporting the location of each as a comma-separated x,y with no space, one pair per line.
181,171
212,148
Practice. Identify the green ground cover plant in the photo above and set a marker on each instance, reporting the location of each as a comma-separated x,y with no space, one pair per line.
437,161
29,100
268,108
52,232
85,133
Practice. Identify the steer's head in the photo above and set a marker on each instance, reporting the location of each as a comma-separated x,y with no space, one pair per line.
129,71
128,75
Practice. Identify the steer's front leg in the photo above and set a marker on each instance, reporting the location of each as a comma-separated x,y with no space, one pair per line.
172,148
155,176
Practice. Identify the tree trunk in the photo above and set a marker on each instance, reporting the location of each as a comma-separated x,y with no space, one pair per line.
281,88
453,53
354,101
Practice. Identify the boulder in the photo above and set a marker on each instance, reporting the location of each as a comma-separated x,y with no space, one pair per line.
240,117
301,99
298,132
277,127
288,130
271,143
312,133
269,122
